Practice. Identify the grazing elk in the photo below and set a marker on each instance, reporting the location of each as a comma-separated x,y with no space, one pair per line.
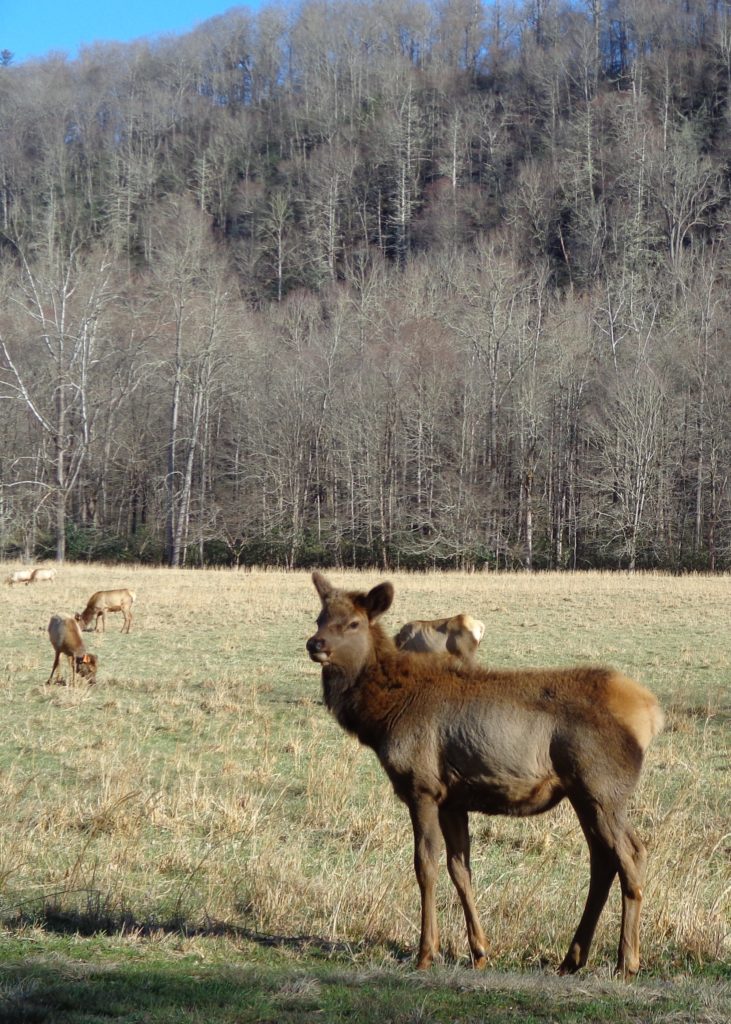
453,738
459,635
104,601
19,576
41,575
65,636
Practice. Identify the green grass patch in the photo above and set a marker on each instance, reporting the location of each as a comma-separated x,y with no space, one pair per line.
172,979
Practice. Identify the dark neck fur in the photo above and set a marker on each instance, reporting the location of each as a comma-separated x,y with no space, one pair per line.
344,693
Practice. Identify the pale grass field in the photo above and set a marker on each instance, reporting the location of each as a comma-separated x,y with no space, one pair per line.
202,782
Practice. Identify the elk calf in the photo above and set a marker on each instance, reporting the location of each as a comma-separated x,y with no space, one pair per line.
39,575
19,576
65,636
459,635
454,738
104,601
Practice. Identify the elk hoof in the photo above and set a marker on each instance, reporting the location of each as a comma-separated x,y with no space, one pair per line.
626,973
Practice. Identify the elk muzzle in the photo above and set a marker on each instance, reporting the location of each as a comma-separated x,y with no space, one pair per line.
317,649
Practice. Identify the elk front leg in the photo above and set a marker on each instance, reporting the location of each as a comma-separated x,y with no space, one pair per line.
427,847
455,829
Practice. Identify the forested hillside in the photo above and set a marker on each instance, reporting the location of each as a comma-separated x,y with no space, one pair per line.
374,282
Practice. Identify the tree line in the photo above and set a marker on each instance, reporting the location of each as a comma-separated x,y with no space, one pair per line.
416,284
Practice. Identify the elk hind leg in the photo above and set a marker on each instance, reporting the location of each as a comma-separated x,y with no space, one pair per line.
455,829
630,858
614,848
603,868
632,867
55,666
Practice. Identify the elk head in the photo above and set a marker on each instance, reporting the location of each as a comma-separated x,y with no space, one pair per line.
86,665
343,640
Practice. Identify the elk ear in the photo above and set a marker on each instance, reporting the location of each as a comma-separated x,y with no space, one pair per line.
324,588
378,600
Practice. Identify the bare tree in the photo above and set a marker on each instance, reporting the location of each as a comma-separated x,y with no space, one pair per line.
60,307
192,293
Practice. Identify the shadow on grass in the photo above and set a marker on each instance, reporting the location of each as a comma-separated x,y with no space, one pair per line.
69,983
305,979
174,993
97,921
57,989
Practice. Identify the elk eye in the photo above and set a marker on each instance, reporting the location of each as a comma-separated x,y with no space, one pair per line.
354,624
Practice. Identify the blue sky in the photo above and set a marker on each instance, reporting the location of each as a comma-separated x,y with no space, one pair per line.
34,28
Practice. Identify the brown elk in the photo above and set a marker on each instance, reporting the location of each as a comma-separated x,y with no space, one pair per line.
104,601
65,636
459,635
454,738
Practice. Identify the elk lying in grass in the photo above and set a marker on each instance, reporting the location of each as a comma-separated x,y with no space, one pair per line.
42,575
459,635
454,738
19,576
65,636
104,601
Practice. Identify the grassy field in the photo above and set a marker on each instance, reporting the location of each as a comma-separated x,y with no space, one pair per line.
194,838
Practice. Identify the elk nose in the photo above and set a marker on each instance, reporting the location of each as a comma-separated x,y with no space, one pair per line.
315,644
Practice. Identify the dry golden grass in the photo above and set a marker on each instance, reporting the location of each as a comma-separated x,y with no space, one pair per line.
202,782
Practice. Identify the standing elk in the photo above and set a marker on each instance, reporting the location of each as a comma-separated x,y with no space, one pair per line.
66,638
104,601
459,635
454,738
19,576
41,575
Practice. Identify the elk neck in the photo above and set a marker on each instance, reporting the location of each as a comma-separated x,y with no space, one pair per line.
366,699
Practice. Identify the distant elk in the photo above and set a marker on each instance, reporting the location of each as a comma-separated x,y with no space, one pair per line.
41,575
66,638
19,576
459,635
454,738
104,601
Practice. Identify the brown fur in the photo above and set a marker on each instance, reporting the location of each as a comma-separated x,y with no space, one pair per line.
459,635
65,636
454,738
104,601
